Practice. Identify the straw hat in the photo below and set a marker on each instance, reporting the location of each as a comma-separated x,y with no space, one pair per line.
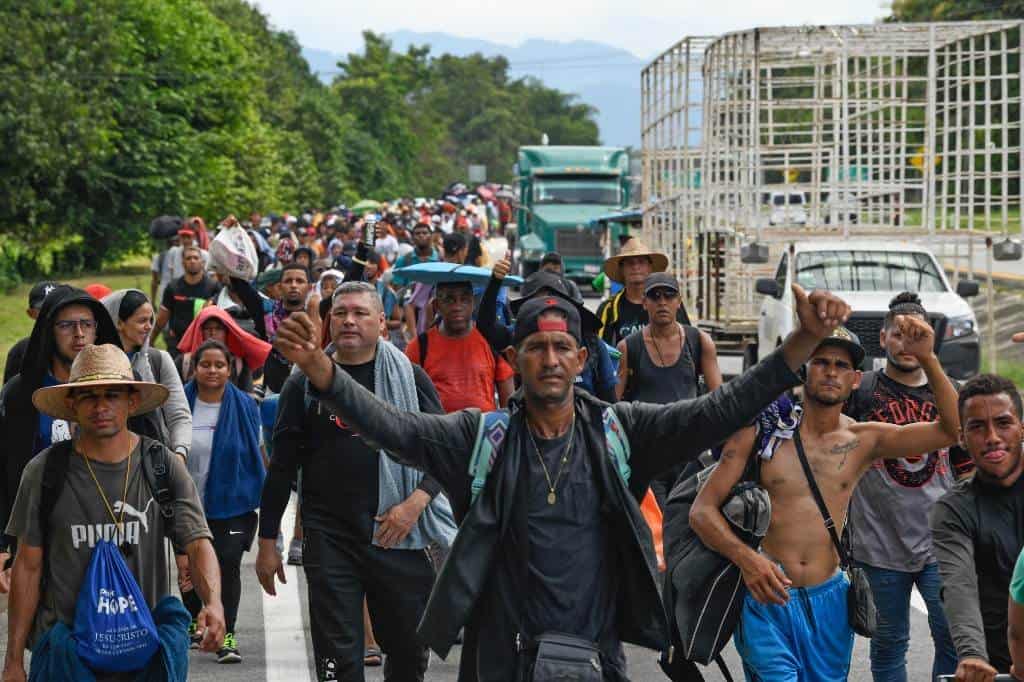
634,247
103,365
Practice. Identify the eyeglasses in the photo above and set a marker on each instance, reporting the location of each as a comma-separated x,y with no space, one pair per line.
69,326
662,295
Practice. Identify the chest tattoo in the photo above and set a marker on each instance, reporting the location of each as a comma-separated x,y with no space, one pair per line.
845,449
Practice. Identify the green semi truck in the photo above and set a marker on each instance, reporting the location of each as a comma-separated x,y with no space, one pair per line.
561,191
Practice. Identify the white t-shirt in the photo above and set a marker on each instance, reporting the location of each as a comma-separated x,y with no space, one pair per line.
204,423
170,266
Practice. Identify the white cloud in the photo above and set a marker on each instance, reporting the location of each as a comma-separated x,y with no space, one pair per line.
644,27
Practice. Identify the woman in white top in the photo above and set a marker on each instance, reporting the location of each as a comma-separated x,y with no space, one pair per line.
133,316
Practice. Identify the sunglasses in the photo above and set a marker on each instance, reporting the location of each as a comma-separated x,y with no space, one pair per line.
662,295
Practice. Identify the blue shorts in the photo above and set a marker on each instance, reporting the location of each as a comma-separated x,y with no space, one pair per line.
807,640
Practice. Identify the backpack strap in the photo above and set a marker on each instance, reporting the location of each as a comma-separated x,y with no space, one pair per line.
55,472
156,469
617,443
692,341
490,434
422,338
156,364
634,355
493,427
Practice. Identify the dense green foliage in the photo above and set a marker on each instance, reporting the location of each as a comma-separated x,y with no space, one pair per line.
114,111
956,10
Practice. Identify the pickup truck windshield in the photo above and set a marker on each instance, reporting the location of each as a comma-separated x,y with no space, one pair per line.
868,271
576,191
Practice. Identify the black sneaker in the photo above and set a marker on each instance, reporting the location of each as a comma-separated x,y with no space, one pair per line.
328,670
229,652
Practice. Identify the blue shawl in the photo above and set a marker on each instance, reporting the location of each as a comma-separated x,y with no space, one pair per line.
55,656
235,482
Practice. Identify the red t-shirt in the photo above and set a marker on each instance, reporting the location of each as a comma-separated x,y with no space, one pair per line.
464,370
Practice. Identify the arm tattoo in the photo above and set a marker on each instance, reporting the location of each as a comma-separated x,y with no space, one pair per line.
845,449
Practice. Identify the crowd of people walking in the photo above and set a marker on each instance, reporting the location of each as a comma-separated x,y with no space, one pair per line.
503,472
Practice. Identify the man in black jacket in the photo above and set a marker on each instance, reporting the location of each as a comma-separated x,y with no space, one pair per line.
555,498
69,319
978,527
16,355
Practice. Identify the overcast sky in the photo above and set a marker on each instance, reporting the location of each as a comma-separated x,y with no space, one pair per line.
644,27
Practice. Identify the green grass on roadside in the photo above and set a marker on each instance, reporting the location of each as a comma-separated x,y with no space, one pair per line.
1011,369
15,324
912,218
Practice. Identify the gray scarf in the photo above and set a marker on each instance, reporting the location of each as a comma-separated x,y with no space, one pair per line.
394,383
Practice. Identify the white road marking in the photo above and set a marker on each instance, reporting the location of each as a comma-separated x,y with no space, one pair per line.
285,636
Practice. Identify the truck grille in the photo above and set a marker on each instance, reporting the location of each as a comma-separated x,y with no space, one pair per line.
585,244
867,327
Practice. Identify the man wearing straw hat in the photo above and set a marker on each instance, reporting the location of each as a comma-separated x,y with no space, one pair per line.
624,313
104,494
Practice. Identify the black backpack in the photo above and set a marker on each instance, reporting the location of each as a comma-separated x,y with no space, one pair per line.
155,470
703,591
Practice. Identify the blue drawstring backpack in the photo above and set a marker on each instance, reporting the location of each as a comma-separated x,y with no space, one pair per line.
114,630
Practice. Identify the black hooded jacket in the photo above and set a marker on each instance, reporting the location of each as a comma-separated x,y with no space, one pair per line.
19,419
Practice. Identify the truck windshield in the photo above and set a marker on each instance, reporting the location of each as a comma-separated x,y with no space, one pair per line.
576,191
868,271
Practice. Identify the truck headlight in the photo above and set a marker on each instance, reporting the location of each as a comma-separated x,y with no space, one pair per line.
960,326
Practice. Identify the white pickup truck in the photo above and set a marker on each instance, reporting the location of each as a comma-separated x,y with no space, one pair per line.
868,275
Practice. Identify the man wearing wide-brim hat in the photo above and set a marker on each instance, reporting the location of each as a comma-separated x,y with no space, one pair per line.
624,313
103,494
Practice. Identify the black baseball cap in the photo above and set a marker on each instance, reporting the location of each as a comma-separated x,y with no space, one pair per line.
529,321
551,257
844,338
553,283
39,292
660,280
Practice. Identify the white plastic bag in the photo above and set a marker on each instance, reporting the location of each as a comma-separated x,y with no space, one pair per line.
232,252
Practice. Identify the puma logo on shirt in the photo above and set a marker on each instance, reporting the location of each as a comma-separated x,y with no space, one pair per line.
91,533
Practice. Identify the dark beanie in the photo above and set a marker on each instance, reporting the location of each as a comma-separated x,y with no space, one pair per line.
131,302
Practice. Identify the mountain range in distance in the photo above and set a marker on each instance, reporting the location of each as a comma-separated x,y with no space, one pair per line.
601,75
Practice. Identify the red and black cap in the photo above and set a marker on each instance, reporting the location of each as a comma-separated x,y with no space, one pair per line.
529,320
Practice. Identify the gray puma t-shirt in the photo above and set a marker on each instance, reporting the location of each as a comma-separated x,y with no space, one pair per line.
80,519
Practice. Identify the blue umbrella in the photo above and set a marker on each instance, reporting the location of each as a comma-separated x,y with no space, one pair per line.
436,273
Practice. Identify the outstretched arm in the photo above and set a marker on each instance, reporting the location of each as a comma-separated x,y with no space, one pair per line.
890,441
436,444
766,581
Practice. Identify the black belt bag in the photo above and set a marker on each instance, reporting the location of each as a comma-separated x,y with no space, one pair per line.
563,658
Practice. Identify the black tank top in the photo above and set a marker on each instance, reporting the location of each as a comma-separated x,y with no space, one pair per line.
662,385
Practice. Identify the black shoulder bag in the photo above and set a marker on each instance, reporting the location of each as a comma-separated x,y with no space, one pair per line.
860,602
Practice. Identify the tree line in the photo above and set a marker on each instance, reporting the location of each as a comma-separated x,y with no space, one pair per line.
115,111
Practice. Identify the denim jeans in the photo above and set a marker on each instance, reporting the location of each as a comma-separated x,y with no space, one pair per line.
891,590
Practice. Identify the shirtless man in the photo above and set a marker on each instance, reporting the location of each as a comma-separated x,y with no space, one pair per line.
794,622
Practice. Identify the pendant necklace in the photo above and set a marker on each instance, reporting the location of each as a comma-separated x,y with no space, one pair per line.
552,496
125,548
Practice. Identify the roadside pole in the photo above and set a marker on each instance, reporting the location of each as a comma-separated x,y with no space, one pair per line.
991,305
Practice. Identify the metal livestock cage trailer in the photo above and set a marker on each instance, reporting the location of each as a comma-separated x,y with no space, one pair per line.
769,135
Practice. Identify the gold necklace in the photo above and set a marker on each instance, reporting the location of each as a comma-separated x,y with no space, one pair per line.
552,497
103,495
